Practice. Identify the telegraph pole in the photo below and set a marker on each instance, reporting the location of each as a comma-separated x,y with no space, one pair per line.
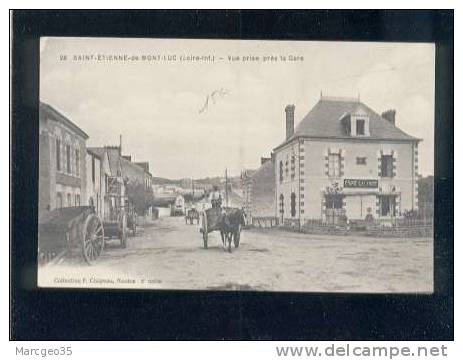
193,188
226,188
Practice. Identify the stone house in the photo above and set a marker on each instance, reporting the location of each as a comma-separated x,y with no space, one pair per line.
344,160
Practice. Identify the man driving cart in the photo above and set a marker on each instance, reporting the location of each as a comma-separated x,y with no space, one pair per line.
215,197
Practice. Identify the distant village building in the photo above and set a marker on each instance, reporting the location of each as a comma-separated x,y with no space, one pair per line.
344,160
259,194
147,176
62,166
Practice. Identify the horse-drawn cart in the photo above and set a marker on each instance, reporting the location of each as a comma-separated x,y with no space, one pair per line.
66,230
229,221
191,215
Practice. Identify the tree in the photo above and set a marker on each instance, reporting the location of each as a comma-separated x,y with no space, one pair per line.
139,196
426,196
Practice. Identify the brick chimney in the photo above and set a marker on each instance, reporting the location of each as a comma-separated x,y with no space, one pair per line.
289,109
389,115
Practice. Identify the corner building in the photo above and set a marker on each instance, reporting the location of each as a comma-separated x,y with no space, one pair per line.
344,160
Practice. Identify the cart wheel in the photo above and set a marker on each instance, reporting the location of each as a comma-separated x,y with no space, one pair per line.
92,239
123,231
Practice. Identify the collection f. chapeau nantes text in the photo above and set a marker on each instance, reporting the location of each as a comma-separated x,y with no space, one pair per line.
97,280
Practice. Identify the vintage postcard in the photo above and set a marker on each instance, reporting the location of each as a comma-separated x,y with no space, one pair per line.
236,165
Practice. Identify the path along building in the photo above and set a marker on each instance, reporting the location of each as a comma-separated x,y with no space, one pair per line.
344,160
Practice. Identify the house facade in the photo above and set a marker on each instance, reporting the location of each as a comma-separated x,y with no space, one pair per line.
62,164
94,181
100,170
259,194
344,160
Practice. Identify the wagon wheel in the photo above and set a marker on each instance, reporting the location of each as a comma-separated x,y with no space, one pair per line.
92,238
123,231
205,236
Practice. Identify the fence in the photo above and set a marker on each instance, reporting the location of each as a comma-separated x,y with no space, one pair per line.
396,227
401,228
264,221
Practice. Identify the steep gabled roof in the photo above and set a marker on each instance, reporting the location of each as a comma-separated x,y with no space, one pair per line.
265,172
57,116
323,121
132,171
99,151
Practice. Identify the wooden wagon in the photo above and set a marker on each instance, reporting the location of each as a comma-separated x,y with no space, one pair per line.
65,230
115,215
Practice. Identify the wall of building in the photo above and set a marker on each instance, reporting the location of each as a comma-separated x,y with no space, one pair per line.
311,161
262,192
94,186
291,182
53,180
45,176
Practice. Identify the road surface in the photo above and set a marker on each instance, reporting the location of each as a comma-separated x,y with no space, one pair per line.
169,254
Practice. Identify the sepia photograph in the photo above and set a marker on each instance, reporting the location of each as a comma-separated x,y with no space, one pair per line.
261,165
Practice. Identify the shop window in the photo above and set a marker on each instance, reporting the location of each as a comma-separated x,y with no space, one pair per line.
333,201
386,166
387,205
334,165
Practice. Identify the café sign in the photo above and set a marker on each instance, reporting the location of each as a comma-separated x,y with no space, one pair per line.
360,183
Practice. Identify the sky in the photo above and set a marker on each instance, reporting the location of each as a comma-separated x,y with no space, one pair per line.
192,119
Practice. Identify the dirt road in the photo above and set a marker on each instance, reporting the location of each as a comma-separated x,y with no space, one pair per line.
169,254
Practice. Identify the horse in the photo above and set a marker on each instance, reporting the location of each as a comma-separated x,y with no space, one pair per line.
230,227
